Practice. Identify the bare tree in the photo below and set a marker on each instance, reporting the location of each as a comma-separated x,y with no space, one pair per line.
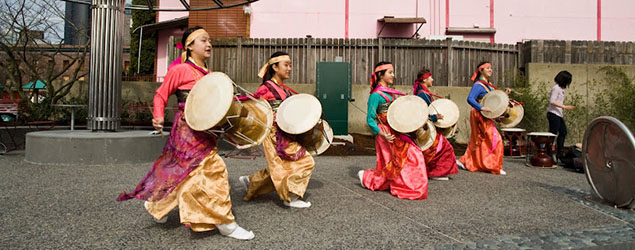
32,48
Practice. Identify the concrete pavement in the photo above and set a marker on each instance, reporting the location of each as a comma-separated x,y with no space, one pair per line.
55,207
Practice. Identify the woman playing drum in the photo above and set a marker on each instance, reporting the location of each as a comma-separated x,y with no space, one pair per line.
440,158
400,163
485,148
289,165
189,173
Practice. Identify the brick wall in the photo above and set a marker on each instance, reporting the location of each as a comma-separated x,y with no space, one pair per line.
221,23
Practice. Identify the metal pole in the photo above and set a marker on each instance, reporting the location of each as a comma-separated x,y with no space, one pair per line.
139,48
72,118
104,92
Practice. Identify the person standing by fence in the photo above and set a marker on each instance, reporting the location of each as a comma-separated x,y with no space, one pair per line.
485,149
189,173
289,165
400,163
440,158
555,115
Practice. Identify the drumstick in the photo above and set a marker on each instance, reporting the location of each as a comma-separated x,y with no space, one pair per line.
161,129
374,111
435,108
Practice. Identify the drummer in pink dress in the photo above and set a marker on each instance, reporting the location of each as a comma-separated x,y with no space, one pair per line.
440,158
400,167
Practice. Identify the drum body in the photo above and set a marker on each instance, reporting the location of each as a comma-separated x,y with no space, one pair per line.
513,115
515,142
425,136
608,151
448,132
318,139
211,107
542,142
247,123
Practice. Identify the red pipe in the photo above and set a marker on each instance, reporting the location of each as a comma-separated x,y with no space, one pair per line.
599,28
346,21
447,13
491,19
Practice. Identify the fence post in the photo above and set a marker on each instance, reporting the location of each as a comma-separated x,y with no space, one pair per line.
310,58
450,55
380,49
567,52
540,53
239,60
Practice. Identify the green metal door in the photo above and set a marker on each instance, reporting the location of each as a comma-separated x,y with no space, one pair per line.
333,89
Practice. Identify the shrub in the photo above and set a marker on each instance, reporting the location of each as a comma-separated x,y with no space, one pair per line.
614,97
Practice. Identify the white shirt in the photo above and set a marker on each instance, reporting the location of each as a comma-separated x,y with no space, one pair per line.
557,96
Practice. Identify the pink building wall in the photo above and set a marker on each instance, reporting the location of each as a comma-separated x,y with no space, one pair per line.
169,15
514,20
164,35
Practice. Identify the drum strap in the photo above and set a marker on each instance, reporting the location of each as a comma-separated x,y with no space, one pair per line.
285,87
274,90
484,84
424,89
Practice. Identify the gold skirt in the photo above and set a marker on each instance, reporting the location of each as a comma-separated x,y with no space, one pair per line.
202,197
283,176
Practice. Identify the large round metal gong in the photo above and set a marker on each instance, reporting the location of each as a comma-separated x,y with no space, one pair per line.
608,149
213,4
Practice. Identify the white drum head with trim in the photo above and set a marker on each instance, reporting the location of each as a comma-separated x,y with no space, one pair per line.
497,101
513,129
298,113
208,101
547,134
448,109
407,113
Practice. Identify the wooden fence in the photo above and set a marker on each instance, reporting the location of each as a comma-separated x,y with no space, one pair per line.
451,62
577,52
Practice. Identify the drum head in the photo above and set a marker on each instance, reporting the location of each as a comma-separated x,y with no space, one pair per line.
513,116
298,113
208,101
497,101
513,129
608,149
448,109
326,141
544,134
407,113
425,137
